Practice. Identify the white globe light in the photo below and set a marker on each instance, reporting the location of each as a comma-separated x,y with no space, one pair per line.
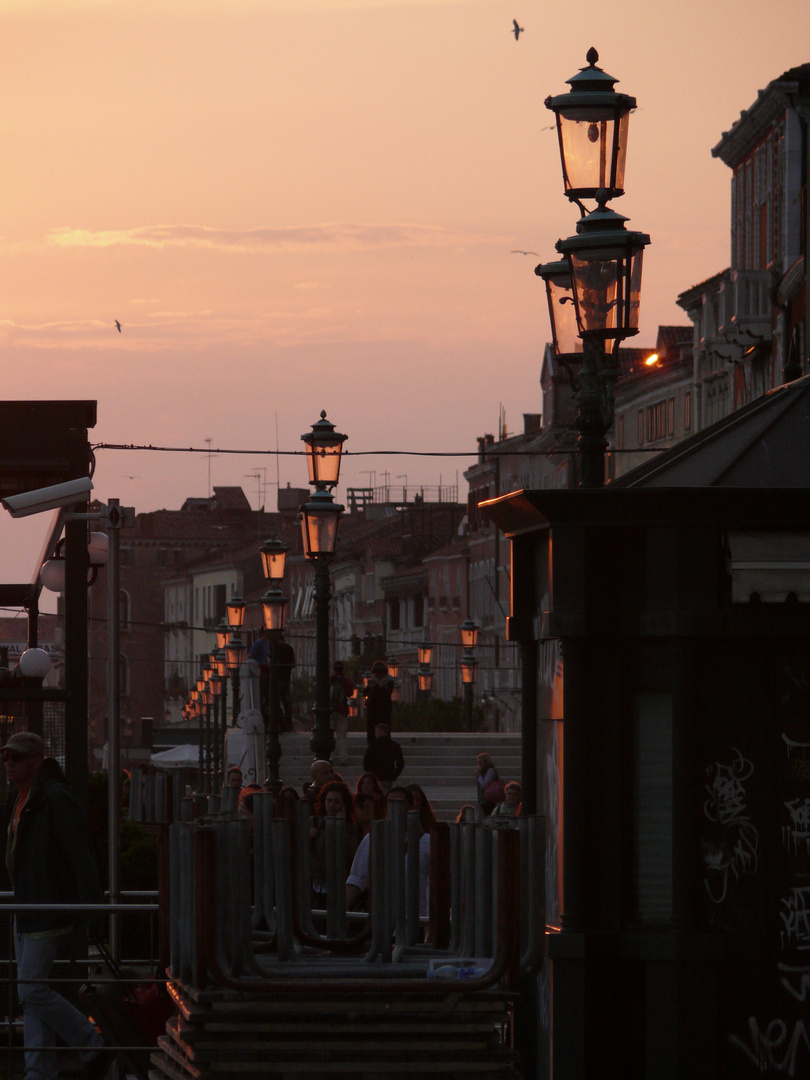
98,548
35,663
52,575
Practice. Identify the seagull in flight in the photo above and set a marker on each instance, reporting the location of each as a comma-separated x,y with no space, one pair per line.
517,30
517,251
118,326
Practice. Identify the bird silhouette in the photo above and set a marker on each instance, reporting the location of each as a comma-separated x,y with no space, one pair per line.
118,326
517,251
517,30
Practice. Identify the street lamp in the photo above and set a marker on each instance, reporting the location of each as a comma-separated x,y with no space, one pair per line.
592,123
319,525
469,633
469,667
274,559
235,652
274,606
236,611
324,447
603,258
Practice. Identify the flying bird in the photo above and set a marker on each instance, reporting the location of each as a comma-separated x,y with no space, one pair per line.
118,326
517,30
517,251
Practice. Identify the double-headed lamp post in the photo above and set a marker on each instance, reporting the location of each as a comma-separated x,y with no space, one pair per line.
319,525
424,653
603,259
469,665
274,606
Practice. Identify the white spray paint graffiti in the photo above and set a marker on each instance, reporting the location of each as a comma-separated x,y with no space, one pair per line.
796,919
795,979
797,833
771,1050
735,853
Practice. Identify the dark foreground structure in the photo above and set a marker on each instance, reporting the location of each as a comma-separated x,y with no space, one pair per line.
665,623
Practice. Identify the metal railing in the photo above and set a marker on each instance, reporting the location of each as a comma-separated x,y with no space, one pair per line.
252,925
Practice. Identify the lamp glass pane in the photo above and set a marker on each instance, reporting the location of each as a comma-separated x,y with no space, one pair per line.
594,148
424,653
563,315
323,462
274,560
319,532
425,680
236,611
235,650
469,635
599,285
468,674
273,611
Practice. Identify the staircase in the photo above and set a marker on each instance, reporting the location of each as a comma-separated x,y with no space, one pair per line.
442,763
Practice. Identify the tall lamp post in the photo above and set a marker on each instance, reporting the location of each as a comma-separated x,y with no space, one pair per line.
603,258
424,652
469,666
319,525
274,563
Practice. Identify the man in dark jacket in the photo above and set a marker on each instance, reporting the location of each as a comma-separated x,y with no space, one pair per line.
384,757
50,859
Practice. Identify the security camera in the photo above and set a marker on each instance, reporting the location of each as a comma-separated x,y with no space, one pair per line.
48,498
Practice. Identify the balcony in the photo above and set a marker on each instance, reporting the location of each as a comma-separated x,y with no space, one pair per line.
752,306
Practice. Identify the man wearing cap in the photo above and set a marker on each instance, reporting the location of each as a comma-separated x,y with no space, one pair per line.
50,860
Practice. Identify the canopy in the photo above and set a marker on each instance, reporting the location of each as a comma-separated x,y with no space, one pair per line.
177,757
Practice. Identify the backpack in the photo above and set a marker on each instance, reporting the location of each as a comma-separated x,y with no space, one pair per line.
338,699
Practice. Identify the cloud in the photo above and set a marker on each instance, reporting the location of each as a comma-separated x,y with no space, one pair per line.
339,236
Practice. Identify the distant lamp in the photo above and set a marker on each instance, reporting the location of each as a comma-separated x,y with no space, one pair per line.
469,634
235,651
324,447
592,127
652,360
354,706
223,632
236,611
425,676
273,607
319,524
424,653
217,684
274,559
469,667
393,667
220,658
35,663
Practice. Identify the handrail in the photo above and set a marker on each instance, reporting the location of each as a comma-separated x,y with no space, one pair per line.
504,965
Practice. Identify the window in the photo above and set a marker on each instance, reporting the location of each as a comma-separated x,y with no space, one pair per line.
671,416
640,427
393,614
656,421
687,411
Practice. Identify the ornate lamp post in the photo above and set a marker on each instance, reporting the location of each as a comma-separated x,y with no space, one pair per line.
235,651
603,258
424,653
319,525
469,667
274,605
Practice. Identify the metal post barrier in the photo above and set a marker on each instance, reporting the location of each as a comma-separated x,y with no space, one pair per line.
484,899
281,848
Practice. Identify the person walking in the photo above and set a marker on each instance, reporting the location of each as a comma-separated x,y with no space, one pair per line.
378,695
49,856
384,757
341,688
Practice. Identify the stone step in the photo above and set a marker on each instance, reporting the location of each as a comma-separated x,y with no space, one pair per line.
442,763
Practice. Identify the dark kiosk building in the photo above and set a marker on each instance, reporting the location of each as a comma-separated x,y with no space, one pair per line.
665,623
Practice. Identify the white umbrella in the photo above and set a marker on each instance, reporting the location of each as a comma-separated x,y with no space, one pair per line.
176,757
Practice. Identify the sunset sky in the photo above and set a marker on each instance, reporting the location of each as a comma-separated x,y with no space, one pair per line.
296,205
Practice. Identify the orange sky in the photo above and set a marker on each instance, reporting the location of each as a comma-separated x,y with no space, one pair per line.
293,205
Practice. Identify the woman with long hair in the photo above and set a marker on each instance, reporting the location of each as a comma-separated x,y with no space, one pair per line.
334,801
427,816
